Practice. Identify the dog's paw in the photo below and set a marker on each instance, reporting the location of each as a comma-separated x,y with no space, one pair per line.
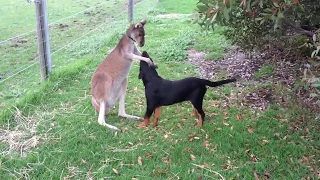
143,125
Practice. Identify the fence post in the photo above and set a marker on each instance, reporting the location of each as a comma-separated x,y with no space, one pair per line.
43,38
130,11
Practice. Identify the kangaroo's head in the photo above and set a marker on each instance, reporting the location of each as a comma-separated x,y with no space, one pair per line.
136,32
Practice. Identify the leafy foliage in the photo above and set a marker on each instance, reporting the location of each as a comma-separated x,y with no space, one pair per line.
253,23
175,49
289,28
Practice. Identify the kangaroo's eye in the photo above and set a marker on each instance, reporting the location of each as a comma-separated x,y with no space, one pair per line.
140,34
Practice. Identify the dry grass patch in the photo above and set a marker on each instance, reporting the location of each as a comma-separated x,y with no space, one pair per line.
24,136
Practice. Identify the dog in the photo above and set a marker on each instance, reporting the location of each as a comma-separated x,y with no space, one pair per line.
161,92
109,82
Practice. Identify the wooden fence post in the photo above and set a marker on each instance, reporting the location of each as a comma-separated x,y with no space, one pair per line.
130,11
43,38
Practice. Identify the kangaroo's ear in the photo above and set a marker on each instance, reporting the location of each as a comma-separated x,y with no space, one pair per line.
140,24
143,22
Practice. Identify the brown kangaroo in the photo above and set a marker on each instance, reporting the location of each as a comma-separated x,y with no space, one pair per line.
109,82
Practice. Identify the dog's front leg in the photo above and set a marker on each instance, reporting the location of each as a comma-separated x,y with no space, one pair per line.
122,111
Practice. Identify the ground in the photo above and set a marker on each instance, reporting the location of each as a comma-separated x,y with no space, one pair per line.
52,131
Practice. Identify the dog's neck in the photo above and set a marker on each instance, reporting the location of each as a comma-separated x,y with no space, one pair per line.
151,76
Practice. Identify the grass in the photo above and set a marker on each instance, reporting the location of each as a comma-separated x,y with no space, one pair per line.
66,26
235,142
264,71
213,43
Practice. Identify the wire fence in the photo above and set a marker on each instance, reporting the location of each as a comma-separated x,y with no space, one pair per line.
73,33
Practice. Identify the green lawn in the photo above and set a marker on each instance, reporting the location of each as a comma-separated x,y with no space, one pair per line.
69,23
54,132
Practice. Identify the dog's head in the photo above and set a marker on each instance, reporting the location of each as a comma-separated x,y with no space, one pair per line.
145,68
136,32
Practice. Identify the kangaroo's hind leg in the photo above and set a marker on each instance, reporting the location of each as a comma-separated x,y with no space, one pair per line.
122,111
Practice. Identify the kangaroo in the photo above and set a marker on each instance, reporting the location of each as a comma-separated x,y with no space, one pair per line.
109,82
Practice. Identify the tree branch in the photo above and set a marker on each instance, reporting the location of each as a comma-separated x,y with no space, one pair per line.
298,29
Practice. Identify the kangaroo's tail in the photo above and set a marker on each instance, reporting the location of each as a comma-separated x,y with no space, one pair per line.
218,83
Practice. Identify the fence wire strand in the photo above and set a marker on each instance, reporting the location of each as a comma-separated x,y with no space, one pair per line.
20,70
51,24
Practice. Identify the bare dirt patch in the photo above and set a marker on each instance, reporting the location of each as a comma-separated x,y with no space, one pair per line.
172,16
237,64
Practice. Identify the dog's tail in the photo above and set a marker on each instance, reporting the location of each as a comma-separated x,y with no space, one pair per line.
217,83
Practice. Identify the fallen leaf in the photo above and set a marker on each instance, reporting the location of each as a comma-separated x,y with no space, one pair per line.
166,136
192,157
130,143
115,171
305,160
250,131
197,138
149,155
239,117
225,113
179,126
226,124
140,161
255,174
186,149
165,160
206,144
160,171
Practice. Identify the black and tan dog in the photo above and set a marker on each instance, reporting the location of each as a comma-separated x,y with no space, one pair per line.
160,92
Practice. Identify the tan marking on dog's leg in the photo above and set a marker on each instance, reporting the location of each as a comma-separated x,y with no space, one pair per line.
200,120
195,113
144,123
122,111
157,113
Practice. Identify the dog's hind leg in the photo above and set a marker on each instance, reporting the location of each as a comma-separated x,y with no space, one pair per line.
197,102
157,113
101,119
122,111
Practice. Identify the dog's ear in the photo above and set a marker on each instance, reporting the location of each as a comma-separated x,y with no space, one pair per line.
155,66
145,54
140,75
